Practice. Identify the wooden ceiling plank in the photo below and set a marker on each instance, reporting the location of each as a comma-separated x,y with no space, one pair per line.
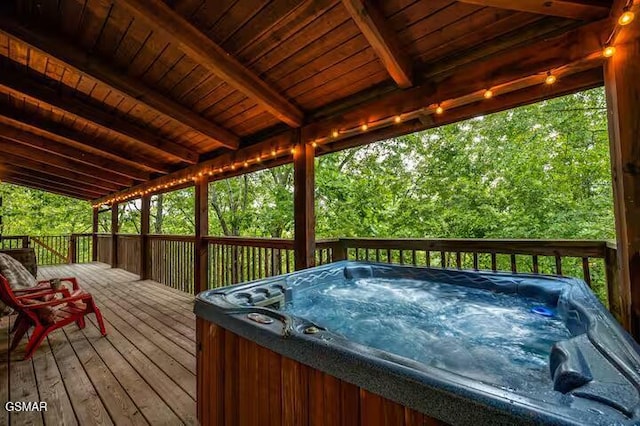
92,67
55,131
47,180
47,145
210,55
19,85
382,39
53,171
48,160
571,9
21,182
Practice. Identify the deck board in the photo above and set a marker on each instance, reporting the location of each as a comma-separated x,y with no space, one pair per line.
143,372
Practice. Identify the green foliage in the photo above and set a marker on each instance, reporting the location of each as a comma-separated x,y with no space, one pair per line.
33,212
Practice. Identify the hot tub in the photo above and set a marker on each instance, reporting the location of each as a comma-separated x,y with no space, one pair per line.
385,344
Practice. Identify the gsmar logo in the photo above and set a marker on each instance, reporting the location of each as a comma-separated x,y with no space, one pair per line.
25,406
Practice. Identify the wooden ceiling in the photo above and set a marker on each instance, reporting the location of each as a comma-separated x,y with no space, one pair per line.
97,96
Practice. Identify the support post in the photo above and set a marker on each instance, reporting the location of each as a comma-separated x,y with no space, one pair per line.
94,236
114,235
201,264
145,246
623,104
304,204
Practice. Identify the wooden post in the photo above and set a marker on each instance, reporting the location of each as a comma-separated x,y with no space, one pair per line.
304,204
201,264
94,236
623,112
114,235
73,255
145,247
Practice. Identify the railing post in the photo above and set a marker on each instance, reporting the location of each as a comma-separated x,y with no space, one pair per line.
94,236
114,235
613,285
145,254
25,241
303,203
622,88
340,250
73,252
201,258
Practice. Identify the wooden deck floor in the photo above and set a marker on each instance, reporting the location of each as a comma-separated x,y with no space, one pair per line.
143,372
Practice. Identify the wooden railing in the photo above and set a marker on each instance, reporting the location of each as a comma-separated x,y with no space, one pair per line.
129,253
14,241
104,248
53,249
236,259
171,261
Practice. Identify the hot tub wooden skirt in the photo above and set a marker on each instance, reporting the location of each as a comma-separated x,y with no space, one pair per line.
242,383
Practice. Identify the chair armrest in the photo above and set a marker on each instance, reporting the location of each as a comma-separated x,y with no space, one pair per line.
84,296
42,286
72,280
44,292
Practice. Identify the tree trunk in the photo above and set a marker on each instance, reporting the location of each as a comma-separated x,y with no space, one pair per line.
157,225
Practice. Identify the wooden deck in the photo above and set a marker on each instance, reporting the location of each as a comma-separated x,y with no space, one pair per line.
142,372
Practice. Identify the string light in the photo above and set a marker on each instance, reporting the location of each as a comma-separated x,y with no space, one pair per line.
246,164
397,119
550,78
293,150
626,17
335,133
258,159
488,94
439,110
608,51
364,127
273,153
233,167
314,144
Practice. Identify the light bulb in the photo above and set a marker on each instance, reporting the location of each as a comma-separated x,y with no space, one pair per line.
608,51
364,127
335,133
550,79
626,17
273,152
314,144
397,119
488,94
439,110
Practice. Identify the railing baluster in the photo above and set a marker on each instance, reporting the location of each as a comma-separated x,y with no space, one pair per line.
514,266
458,260
389,256
558,265
475,261
586,273
443,259
494,262
427,258
534,261
413,258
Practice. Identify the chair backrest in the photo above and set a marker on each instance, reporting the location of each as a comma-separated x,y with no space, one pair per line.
7,296
26,256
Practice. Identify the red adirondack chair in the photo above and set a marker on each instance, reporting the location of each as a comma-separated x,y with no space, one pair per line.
39,307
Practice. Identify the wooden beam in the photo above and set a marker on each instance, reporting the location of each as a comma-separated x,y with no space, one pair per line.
157,14
47,145
20,86
572,9
145,247
579,49
49,159
51,178
201,266
50,183
54,171
53,190
114,235
304,204
63,52
382,39
94,234
623,104
50,130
